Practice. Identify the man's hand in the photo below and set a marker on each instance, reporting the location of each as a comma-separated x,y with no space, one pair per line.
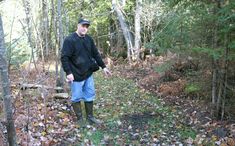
107,72
70,78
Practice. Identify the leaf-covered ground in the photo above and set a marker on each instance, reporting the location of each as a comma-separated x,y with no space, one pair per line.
131,116
130,108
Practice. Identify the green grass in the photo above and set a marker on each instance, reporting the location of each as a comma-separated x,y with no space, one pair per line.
187,132
95,137
118,101
192,88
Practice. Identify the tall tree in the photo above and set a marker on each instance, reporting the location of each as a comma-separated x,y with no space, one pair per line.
60,80
138,12
6,90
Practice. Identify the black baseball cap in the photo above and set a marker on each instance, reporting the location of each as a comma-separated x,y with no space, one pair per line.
84,21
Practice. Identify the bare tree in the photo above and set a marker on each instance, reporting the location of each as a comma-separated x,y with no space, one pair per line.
133,52
125,30
6,90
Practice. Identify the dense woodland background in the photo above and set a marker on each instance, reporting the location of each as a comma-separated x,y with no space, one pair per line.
198,36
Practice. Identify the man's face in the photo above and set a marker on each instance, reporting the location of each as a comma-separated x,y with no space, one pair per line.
82,29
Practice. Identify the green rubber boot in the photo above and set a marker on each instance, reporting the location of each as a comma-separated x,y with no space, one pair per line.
78,112
89,112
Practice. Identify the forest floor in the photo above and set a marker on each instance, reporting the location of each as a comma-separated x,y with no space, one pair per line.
138,106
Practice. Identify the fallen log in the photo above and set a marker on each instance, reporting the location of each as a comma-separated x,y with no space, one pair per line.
36,86
60,95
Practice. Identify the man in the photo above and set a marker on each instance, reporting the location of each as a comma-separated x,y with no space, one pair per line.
78,54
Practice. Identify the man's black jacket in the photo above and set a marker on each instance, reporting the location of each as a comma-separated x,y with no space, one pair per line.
76,56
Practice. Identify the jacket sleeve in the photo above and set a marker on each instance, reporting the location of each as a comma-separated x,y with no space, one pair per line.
66,54
96,55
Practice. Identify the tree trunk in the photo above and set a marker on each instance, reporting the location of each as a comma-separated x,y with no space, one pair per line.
112,38
225,77
125,30
55,26
52,31
225,80
219,97
44,30
11,133
136,55
216,72
214,82
60,80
